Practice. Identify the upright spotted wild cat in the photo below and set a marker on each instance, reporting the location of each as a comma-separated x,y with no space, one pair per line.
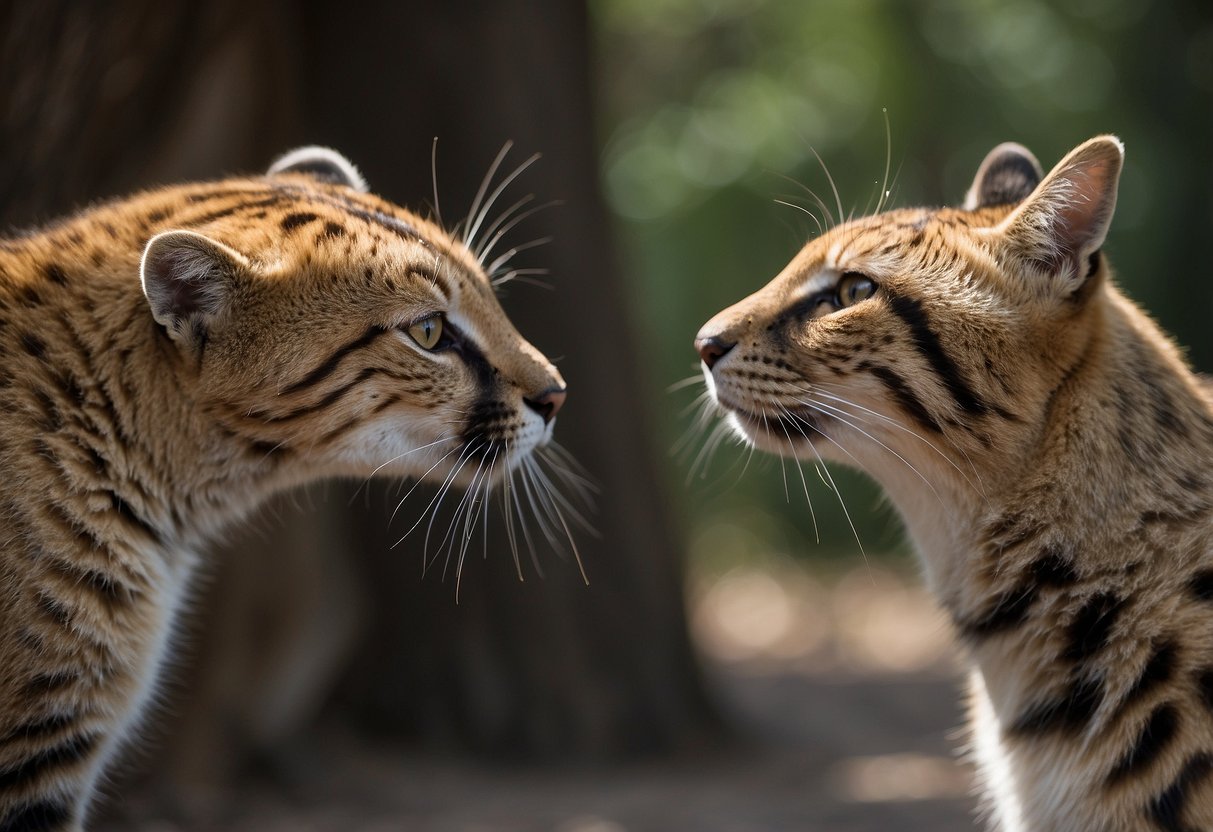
171,359
1052,456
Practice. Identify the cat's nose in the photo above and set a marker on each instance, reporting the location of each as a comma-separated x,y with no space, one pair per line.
548,403
712,349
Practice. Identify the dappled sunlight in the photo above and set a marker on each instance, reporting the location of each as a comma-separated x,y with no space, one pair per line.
889,778
867,620
590,823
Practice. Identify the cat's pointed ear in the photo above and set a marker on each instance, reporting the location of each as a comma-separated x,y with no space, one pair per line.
188,280
321,163
1064,221
1009,173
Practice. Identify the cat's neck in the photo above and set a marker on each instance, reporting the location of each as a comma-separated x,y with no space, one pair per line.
1127,437
135,406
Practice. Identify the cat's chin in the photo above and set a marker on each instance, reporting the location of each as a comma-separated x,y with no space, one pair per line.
788,435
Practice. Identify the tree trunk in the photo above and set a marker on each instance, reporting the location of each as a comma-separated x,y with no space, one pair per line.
552,666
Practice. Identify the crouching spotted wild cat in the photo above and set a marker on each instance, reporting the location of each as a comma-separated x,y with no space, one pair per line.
1052,457
171,359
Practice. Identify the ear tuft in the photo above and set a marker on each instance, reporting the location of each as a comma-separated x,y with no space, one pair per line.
320,163
187,279
1065,220
1009,173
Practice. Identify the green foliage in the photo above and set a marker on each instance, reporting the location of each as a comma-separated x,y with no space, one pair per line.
713,109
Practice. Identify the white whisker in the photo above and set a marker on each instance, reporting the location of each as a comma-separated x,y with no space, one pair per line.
842,416
491,242
471,235
434,180
505,258
803,482
484,186
420,480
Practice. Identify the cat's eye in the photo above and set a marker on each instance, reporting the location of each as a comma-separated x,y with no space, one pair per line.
427,332
854,287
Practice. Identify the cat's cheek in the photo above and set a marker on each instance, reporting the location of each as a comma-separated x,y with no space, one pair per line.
393,449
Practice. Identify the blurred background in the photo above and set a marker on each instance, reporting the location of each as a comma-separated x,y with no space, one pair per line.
731,665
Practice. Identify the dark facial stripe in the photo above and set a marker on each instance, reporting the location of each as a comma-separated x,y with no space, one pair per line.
56,757
398,227
330,364
332,396
371,216
487,411
927,342
1167,809
328,399
1069,713
220,213
1088,632
475,360
39,816
905,397
355,421
1153,739
211,196
427,273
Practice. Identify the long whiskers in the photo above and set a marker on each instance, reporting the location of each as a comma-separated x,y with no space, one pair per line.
896,425
824,471
470,237
804,483
850,421
366,480
556,488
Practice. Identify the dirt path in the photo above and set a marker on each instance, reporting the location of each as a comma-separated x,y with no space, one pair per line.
868,754
847,709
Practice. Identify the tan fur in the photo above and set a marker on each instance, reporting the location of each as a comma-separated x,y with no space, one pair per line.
1052,456
134,427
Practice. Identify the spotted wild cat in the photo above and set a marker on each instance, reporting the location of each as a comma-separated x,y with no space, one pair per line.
171,359
1052,456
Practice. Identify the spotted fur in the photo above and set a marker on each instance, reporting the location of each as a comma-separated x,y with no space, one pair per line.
169,360
1050,452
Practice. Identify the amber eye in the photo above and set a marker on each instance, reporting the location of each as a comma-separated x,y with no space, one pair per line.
854,287
427,332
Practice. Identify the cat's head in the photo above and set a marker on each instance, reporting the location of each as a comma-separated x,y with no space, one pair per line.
915,329
319,323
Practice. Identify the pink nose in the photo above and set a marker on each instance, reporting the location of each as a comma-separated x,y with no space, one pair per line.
548,403
712,349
